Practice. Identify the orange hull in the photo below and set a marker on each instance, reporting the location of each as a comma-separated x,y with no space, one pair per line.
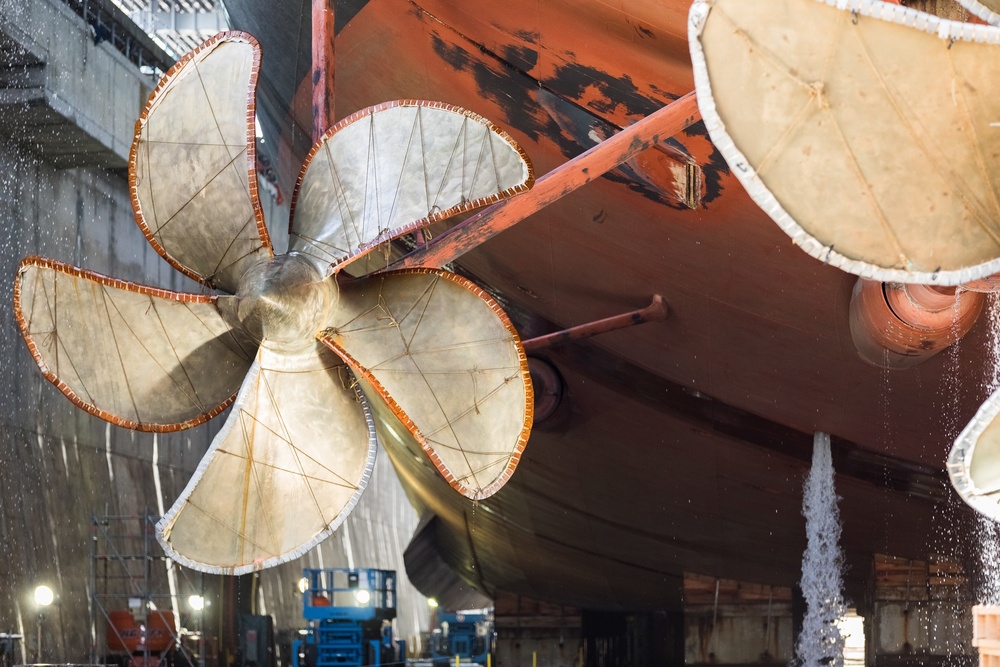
681,445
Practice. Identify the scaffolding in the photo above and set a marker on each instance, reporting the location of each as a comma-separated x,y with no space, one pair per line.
176,25
131,576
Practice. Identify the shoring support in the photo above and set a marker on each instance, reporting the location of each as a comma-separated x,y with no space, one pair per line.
564,179
322,66
656,310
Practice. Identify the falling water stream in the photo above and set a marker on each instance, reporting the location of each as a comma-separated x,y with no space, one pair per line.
943,621
820,641
988,582
952,543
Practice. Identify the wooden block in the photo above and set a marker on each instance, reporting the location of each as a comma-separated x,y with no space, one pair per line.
912,593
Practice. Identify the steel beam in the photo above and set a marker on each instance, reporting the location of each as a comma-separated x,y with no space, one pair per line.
181,21
558,183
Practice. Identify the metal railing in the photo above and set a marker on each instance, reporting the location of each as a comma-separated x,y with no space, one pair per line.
109,23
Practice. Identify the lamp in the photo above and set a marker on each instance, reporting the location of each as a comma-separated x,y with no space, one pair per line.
43,598
197,603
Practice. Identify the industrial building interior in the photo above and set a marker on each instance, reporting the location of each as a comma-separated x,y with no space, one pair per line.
722,427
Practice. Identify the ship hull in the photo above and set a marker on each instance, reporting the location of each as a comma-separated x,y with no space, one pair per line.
678,446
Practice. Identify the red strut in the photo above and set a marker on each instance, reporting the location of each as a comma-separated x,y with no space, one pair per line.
322,66
567,177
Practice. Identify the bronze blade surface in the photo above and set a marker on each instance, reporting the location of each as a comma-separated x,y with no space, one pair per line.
192,167
448,364
869,162
139,357
288,466
974,461
396,167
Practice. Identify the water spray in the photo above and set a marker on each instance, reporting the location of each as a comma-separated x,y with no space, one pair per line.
820,642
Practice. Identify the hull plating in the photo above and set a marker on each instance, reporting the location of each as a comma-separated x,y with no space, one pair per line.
679,445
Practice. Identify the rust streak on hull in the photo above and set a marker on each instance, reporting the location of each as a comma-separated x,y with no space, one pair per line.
648,132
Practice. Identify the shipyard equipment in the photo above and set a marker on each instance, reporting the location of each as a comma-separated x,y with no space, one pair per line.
350,614
466,635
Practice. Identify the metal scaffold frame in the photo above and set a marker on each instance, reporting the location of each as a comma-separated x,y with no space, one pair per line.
123,551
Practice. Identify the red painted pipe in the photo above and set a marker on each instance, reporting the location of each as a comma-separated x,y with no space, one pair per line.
322,66
898,326
567,177
657,310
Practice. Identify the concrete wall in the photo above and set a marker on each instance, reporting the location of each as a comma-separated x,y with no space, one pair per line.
530,632
79,107
931,631
746,634
59,467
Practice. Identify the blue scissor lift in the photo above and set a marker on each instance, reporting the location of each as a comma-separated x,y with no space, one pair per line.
466,635
350,615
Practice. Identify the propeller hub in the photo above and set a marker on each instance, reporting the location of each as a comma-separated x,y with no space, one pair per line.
284,299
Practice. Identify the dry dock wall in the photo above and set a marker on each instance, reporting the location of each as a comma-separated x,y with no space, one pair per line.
67,109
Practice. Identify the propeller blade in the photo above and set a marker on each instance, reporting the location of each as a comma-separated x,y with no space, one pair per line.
286,469
448,364
871,164
136,356
974,461
192,168
394,168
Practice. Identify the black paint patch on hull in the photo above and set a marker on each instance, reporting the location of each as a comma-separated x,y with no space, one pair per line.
345,11
569,125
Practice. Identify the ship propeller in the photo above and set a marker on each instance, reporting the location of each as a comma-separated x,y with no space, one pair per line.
309,356
885,169
869,163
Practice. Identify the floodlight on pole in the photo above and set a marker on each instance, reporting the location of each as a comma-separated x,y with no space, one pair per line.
44,596
196,602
